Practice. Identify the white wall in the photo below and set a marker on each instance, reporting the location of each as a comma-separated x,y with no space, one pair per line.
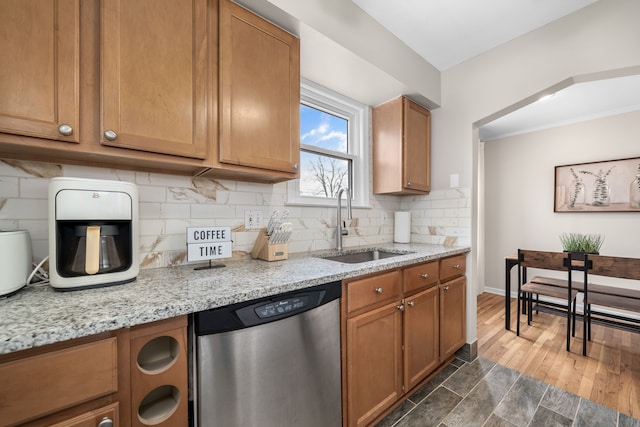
519,191
600,37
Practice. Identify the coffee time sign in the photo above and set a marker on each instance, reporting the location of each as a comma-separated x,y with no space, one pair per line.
206,243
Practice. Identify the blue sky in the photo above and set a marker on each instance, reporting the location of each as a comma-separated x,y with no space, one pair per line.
323,130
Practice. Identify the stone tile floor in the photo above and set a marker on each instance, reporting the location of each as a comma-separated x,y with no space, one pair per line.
483,393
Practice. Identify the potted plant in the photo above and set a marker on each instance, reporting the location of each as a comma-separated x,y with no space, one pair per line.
581,243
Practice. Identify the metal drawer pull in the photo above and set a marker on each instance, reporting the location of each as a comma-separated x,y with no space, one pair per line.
400,307
424,276
65,130
456,266
411,303
446,288
106,422
110,135
378,290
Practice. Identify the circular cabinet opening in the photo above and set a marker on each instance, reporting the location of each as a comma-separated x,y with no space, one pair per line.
158,355
159,405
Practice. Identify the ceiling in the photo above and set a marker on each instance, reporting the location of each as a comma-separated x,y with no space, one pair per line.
575,103
448,32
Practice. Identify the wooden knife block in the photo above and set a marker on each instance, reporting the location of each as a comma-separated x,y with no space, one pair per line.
269,252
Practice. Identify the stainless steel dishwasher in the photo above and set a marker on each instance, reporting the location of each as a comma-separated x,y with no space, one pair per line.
270,362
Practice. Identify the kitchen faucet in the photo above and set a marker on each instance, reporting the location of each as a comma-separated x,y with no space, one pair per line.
339,230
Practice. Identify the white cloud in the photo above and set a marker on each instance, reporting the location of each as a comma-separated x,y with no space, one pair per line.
323,136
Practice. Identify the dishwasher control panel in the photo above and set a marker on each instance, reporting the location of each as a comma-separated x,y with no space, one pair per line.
283,306
264,310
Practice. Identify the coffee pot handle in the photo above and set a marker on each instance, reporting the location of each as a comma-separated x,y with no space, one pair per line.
92,258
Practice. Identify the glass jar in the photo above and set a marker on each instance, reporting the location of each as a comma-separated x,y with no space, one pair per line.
576,196
634,193
601,192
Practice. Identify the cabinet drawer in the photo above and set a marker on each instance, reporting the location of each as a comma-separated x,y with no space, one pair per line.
42,384
421,276
94,418
452,267
369,291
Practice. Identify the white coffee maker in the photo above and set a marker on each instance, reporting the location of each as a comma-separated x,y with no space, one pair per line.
93,233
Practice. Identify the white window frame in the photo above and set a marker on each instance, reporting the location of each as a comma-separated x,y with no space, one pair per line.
359,116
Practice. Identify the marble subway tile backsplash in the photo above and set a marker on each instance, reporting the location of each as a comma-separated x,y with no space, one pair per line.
170,203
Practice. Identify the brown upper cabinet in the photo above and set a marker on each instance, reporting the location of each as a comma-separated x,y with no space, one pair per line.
154,76
146,85
401,148
39,78
259,103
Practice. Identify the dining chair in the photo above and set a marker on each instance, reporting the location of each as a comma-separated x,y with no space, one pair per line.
607,295
560,289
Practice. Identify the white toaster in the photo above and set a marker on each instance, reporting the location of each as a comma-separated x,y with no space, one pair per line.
15,260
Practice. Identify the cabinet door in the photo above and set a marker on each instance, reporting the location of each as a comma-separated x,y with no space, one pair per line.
259,92
154,75
99,417
452,316
374,363
421,335
45,383
39,81
417,147
159,373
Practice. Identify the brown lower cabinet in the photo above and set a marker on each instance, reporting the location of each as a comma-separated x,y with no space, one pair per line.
399,327
421,336
374,354
133,376
102,417
452,316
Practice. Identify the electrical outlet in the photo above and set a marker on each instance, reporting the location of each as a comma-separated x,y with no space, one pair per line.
252,220
257,219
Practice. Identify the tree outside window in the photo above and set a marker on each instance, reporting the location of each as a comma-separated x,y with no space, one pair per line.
324,142
334,144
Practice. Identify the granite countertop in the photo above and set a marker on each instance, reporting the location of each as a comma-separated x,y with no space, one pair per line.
38,315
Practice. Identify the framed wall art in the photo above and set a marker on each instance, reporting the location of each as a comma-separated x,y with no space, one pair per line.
607,186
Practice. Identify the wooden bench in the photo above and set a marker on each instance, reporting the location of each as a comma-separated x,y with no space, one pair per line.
602,295
605,296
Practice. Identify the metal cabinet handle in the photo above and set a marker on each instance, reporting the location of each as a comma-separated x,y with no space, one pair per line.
446,288
296,166
400,307
424,276
65,129
378,290
110,135
456,266
411,303
409,184
106,422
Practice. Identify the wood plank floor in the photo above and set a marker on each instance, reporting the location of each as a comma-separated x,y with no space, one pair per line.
608,375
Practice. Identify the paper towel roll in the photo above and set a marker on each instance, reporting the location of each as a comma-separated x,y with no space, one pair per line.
402,227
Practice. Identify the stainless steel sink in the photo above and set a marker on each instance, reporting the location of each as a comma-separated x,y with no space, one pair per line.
364,256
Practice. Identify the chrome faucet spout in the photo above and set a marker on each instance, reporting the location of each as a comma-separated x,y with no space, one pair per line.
339,230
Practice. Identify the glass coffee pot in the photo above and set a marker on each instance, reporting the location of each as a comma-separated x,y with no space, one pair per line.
95,250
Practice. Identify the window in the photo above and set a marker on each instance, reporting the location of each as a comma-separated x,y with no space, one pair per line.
333,148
